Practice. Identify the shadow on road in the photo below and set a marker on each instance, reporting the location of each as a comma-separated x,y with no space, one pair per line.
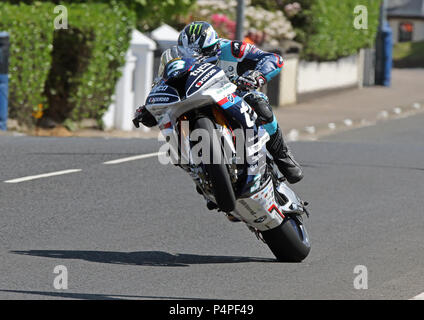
92,296
141,258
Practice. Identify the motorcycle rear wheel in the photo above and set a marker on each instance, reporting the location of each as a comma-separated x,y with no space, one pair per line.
218,173
289,242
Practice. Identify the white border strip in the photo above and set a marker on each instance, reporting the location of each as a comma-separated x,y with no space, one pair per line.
45,175
418,297
139,157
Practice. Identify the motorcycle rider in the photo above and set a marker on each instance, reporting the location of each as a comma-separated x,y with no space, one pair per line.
251,68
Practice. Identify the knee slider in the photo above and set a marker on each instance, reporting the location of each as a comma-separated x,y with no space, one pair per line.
261,107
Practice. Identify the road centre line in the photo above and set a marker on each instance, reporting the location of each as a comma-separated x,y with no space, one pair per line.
45,175
139,157
63,172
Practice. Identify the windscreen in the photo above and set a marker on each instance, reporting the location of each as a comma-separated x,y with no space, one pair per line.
173,53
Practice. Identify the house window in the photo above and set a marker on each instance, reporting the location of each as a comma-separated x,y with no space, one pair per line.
405,31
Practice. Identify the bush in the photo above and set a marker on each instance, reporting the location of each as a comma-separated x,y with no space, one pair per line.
150,13
270,24
325,28
408,54
30,29
86,60
72,72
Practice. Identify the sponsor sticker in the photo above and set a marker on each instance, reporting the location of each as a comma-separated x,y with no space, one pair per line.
205,78
199,70
160,88
158,99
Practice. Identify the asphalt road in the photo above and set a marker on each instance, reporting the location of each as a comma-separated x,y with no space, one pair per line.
138,230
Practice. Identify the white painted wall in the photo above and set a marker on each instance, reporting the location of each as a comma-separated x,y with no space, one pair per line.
316,76
288,83
394,24
165,36
418,34
135,84
142,48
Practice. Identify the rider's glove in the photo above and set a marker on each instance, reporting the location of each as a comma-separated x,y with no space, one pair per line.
145,117
251,80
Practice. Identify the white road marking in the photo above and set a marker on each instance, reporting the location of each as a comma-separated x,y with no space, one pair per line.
310,129
45,175
348,122
382,114
293,135
397,110
139,157
416,105
418,297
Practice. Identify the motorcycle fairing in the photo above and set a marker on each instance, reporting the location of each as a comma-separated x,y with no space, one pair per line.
162,94
177,67
260,210
216,87
235,107
162,98
229,101
198,76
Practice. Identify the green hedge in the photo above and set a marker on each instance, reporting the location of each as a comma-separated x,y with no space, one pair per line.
31,36
408,54
72,72
86,60
150,13
325,28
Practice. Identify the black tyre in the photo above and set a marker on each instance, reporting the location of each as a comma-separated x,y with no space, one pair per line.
289,242
218,172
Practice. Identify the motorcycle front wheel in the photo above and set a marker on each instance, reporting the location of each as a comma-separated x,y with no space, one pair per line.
218,173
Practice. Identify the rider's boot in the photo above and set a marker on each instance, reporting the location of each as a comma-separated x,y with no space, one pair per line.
276,145
283,157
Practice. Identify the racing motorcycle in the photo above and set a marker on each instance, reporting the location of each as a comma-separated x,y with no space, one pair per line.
195,94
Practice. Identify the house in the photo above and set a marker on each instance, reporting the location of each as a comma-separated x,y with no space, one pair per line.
406,18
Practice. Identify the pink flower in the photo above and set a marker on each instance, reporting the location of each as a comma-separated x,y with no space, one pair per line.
231,26
225,19
219,19
216,18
